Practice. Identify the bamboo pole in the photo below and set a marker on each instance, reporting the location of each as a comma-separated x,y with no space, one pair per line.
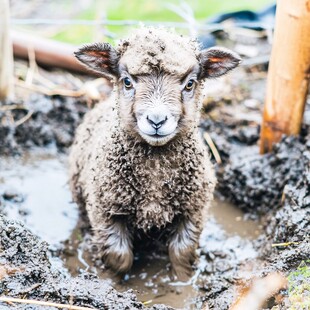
6,53
289,73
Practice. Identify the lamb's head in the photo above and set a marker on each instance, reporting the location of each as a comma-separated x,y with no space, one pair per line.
159,79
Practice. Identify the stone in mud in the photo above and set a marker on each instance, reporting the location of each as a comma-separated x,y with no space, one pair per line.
13,195
36,278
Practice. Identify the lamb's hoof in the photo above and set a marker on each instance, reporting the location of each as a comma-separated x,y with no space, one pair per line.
181,262
118,261
182,274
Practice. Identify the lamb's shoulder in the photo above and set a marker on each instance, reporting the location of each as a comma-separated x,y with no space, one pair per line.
94,130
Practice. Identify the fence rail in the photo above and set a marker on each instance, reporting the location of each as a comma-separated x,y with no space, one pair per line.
107,22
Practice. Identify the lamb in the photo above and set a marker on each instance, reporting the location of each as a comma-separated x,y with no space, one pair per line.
138,163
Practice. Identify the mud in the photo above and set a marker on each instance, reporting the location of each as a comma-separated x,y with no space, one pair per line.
267,230
46,208
230,252
256,183
290,224
52,123
37,278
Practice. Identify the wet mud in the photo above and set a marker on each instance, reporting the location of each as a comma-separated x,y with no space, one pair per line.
36,277
256,182
288,228
52,122
47,210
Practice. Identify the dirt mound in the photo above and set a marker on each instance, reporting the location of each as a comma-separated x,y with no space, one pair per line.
252,181
30,274
288,228
52,121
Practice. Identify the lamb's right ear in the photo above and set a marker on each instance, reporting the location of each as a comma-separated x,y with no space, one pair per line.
216,61
99,57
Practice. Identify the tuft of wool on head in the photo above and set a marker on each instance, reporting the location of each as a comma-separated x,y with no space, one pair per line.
157,49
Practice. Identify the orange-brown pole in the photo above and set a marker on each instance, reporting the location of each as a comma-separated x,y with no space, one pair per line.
289,73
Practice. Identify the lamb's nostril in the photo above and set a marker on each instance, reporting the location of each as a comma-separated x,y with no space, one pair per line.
156,122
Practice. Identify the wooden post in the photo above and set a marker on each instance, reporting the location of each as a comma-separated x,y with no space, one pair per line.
6,53
289,73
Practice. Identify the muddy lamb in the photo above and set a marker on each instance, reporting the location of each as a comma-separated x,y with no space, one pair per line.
138,163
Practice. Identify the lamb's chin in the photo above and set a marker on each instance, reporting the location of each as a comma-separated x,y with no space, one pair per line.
157,140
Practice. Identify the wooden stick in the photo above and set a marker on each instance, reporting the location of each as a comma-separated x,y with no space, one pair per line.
42,303
289,73
6,53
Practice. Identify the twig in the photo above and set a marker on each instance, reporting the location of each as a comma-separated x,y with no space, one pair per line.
32,66
147,302
213,148
23,119
12,107
42,303
285,243
50,92
17,107
31,288
185,11
44,81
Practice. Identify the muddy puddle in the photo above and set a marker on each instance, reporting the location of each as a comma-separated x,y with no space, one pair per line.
34,189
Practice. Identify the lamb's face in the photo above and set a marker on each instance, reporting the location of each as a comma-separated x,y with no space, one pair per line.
158,106
159,78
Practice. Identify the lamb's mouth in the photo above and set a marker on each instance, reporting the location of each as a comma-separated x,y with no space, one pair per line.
157,139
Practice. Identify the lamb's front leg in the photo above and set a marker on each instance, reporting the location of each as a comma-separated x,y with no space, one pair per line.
182,247
114,240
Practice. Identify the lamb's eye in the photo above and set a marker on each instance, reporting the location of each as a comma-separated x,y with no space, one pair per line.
189,86
127,82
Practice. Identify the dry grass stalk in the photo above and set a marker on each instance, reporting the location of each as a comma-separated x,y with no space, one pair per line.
213,148
11,300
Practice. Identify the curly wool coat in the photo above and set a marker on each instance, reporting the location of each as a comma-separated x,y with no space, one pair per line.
115,174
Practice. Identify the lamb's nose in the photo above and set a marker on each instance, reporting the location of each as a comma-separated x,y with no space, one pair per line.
155,121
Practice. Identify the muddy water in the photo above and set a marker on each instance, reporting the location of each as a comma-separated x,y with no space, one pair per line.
39,195
36,192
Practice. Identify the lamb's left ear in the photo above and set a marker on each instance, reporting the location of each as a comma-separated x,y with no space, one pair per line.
216,61
99,57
